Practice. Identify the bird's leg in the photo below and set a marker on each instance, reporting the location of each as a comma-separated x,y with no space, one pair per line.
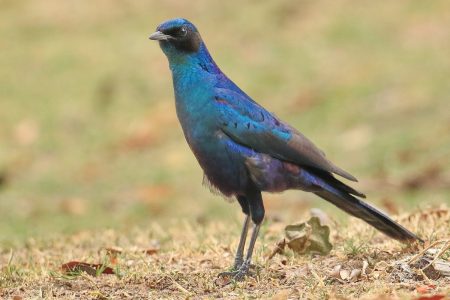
239,259
257,213
241,266
256,209
245,267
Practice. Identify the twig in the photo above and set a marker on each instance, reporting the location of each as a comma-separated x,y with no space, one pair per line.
316,276
443,250
416,257
182,289
425,276
279,248
11,256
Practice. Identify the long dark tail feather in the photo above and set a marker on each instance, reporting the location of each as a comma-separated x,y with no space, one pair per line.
341,195
334,182
370,214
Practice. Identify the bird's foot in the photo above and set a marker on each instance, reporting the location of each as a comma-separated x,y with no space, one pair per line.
238,262
238,273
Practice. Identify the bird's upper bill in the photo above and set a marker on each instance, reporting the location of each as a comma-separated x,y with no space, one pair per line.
159,36
172,29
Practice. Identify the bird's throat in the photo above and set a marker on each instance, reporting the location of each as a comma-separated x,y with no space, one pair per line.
200,61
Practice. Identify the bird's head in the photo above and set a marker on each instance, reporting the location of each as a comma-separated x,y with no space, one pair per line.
177,37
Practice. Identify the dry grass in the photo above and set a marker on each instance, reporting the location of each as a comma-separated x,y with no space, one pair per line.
183,260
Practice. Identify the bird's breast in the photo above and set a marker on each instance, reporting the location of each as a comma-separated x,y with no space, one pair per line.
221,162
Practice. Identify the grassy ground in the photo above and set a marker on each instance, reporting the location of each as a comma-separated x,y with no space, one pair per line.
182,261
90,141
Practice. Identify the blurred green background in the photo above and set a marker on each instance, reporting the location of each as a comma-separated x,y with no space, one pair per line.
89,136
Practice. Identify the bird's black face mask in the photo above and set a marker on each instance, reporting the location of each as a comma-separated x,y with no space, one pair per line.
183,38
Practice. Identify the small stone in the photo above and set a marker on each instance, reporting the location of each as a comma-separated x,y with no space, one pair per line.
344,274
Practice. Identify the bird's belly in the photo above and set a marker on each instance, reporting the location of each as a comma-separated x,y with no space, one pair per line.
223,163
230,167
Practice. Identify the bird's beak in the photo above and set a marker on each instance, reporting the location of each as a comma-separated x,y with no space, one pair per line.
159,36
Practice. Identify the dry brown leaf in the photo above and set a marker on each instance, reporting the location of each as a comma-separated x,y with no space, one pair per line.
223,281
434,297
309,237
424,289
151,251
91,269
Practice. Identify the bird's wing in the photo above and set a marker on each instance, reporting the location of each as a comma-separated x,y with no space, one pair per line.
249,124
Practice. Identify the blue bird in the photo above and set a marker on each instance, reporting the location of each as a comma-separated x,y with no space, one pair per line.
243,149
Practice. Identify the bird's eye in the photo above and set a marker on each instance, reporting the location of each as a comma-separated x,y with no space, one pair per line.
182,32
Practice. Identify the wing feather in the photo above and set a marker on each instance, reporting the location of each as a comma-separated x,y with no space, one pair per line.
251,125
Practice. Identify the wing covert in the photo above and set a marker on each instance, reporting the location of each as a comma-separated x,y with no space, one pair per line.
249,124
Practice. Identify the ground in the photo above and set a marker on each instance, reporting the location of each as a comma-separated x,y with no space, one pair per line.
92,155
183,260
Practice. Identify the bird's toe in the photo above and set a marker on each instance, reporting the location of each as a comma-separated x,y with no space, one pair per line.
239,273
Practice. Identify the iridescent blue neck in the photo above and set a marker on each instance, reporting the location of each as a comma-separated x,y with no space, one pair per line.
191,61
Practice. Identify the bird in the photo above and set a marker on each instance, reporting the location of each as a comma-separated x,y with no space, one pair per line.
245,150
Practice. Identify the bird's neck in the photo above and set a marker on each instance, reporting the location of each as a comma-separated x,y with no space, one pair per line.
193,62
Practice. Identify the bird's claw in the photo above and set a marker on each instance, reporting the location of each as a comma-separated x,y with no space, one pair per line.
238,273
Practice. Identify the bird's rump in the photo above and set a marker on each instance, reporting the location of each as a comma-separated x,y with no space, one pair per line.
273,175
249,124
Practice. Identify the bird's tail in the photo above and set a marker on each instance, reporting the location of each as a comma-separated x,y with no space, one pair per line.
340,195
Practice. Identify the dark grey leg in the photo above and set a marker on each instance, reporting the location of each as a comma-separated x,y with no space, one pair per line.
256,210
251,246
239,259
243,270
